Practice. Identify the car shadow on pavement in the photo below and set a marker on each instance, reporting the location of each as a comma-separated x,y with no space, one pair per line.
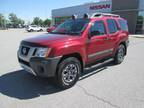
22,85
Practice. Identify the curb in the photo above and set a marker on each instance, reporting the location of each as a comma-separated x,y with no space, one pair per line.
137,36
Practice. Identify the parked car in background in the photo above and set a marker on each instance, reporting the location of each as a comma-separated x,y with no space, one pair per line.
50,29
32,28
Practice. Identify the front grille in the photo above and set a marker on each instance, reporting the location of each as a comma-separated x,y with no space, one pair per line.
34,53
25,50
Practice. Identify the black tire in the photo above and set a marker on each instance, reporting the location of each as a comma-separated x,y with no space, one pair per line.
69,66
120,54
31,30
40,30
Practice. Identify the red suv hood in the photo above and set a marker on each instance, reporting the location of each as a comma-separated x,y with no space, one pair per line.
47,39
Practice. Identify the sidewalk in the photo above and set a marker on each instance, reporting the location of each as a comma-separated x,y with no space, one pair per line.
137,36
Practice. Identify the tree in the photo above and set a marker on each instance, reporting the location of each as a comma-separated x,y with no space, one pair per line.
2,21
37,21
21,22
47,22
13,20
41,22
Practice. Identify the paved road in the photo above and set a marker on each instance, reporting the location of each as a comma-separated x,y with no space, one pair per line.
106,86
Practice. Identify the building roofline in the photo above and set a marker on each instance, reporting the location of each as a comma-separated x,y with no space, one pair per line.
81,5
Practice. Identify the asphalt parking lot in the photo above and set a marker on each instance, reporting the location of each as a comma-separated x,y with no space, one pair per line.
105,86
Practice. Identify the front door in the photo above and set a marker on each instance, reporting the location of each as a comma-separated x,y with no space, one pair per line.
98,46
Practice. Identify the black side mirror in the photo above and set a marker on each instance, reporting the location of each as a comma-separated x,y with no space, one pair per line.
95,33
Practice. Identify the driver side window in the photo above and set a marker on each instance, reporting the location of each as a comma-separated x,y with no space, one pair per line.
97,28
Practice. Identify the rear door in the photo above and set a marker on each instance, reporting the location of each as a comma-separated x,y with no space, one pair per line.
34,28
37,28
113,32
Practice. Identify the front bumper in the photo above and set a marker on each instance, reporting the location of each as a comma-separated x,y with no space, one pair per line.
40,66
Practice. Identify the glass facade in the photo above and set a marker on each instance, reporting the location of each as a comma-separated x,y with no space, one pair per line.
140,18
59,20
140,23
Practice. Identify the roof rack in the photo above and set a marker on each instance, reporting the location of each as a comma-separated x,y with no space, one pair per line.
104,14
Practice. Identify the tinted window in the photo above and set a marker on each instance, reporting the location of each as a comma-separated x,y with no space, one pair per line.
123,25
112,26
98,28
72,27
33,26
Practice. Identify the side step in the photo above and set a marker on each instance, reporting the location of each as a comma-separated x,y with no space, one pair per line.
93,69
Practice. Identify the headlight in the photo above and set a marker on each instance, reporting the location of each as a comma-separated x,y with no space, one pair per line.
42,52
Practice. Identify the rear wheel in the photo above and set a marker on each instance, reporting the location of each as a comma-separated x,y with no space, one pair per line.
31,30
68,72
120,54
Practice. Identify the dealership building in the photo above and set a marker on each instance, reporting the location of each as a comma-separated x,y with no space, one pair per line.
132,10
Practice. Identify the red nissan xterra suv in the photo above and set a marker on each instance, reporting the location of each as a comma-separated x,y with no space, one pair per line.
73,45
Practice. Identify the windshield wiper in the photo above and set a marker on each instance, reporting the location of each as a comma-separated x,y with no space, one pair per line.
74,33
57,33
69,33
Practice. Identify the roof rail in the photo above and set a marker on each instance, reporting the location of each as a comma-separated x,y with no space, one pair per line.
104,14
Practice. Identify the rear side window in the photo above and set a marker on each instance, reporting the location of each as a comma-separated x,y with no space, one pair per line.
112,26
33,26
98,28
123,25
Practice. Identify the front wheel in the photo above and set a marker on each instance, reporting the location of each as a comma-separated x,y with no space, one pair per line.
68,72
120,54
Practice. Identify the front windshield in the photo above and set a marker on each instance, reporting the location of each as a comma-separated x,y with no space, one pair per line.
72,27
